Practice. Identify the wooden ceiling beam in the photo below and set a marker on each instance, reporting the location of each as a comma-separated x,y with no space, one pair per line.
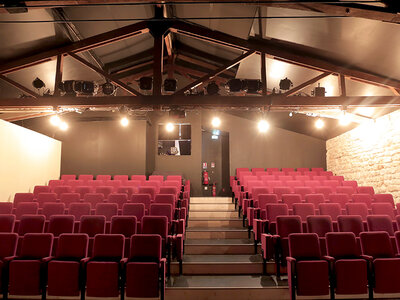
290,52
76,47
306,84
127,61
215,73
19,86
277,102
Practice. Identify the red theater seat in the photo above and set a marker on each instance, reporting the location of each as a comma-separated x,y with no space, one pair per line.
93,199
359,209
6,208
351,183
60,224
50,209
308,272
69,198
7,223
303,191
142,198
291,199
105,190
59,190
386,267
384,198
349,190
362,198
121,178
26,276
40,189
22,197
366,190
303,210
53,183
350,275
68,177
103,177
83,190
383,209
128,190
8,249
145,269
141,178
46,197
103,269
92,225
352,223
65,269
125,225
118,198
320,225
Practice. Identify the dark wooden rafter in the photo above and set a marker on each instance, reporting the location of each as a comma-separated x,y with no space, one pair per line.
106,75
286,51
306,84
278,102
263,63
365,11
77,47
158,63
215,73
19,86
342,86
59,72
395,91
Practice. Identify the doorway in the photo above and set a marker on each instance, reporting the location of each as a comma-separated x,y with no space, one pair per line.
215,160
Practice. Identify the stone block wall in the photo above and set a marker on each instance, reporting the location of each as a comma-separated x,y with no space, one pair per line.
369,154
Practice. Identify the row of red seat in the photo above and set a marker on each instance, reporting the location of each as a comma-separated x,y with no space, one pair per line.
274,243
86,177
278,170
71,272
346,270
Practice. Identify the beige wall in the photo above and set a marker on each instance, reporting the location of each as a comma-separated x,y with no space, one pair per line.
276,148
369,154
27,158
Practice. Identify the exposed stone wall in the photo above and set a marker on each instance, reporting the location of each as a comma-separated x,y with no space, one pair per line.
369,154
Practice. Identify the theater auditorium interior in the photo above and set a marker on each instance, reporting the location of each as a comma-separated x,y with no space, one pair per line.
206,149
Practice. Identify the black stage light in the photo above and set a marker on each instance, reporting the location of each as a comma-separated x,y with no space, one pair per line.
38,83
146,83
252,86
68,88
108,88
170,85
285,84
14,6
212,88
234,85
319,91
88,87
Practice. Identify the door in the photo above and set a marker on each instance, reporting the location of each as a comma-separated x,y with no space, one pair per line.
215,158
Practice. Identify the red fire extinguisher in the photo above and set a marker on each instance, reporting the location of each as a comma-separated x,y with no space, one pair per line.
205,178
214,189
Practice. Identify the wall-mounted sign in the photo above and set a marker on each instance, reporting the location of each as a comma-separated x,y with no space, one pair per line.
204,165
213,165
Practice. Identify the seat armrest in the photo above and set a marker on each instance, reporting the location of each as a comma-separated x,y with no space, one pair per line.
290,259
367,257
47,259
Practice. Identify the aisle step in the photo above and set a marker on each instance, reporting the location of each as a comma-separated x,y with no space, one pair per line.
226,200
219,246
216,233
213,214
221,222
244,287
211,206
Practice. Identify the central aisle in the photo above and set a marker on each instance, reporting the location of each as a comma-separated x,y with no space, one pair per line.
219,260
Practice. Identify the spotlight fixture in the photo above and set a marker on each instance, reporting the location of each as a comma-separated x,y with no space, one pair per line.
170,85
344,119
319,91
108,88
285,84
169,127
63,126
263,126
251,86
55,120
291,114
124,121
212,88
234,85
146,83
15,6
38,83
319,123
215,122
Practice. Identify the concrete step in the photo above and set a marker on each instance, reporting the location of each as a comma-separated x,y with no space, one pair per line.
221,222
221,264
219,246
216,233
244,287
213,214
211,206
226,200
